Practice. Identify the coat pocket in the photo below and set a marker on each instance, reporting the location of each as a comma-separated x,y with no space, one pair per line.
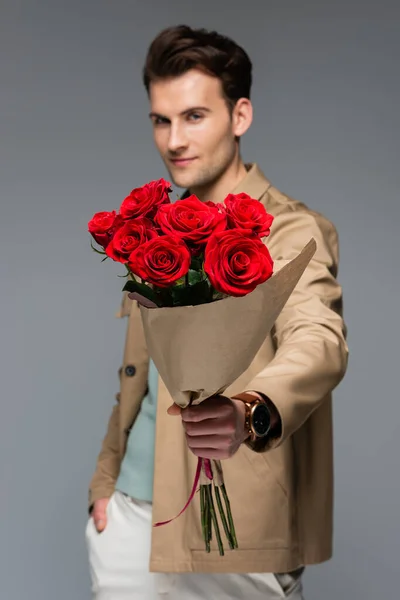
259,504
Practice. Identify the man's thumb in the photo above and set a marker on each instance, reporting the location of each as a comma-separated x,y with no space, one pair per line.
100,522
99,514
174,410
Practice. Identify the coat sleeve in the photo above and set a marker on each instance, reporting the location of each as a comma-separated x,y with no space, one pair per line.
108,461
309,335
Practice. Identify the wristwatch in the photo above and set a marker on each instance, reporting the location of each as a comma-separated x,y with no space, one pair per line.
257,416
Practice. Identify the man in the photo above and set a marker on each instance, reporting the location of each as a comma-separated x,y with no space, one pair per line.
280,483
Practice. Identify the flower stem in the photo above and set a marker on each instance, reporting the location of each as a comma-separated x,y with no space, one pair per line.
209,527
202,512
229,513
204,517
214,520
223,518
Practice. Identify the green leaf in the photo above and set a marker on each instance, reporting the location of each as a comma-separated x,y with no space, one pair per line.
180,281
196,263
195,277
165,296
95,249
199,293
219,295
142,289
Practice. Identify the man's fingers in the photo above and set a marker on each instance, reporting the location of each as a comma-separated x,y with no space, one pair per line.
208,427
99,514
100,520
100,523
211,453
215,442
206,410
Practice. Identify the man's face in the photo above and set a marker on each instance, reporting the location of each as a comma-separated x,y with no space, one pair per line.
193,128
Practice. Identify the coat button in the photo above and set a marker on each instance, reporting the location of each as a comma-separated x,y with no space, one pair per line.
130,370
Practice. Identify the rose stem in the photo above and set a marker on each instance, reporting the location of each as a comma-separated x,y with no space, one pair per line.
230,519
208,516
203,516
202,512
214,520
223,518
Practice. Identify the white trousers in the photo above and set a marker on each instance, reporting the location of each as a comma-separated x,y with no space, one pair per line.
118,559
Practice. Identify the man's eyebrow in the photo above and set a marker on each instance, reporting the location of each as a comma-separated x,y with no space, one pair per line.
183,113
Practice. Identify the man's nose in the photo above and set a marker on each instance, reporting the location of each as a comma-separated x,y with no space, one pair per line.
177,139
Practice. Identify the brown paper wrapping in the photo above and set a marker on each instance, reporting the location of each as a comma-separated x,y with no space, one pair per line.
201,350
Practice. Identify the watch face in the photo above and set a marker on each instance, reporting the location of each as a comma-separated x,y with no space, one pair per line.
261,420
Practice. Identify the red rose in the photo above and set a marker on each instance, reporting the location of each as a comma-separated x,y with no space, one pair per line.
191,220
161,261
129,237
103,225
245,212
236,262
145,200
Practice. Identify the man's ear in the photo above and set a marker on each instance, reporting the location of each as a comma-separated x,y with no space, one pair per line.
242,117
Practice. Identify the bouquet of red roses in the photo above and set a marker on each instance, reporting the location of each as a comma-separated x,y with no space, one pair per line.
208,295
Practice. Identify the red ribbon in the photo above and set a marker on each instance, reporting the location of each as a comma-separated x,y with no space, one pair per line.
207,468
209,475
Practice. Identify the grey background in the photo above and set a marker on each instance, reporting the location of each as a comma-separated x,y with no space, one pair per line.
75,139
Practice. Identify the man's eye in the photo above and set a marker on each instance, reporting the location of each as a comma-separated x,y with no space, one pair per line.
194,117
159,121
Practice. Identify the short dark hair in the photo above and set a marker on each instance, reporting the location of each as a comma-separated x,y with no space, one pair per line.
176,50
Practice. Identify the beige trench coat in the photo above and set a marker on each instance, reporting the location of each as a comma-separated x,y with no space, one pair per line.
281,497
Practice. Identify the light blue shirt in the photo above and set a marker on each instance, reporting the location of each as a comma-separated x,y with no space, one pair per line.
137,468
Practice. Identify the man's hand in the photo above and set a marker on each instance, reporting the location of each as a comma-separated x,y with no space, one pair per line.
99,513
214,428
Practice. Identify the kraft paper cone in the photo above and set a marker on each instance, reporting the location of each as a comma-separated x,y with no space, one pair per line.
201,350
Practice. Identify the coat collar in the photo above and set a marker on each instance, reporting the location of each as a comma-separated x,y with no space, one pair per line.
254,183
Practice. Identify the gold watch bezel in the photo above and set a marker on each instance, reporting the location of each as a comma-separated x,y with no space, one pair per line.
250,408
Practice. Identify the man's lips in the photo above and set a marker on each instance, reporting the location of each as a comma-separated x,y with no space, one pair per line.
182,161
